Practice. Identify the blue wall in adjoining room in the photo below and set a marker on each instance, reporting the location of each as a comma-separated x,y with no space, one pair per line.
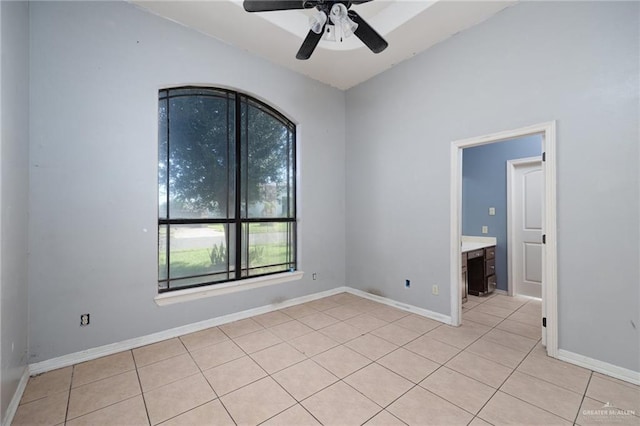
484,185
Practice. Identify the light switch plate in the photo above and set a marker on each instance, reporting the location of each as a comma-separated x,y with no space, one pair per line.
485,229
492,211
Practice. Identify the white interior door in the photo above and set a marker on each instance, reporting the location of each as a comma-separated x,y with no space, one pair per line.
526,204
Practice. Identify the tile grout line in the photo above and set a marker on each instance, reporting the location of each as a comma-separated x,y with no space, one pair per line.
339,379
219,397
539,340
66,412
142,392
205,379
502,384
608,379
503,320
144,400
312,360
584,395
292,397
111,404
620,382
102,408
473,416
105,377
498,344
151,363
250,357
512,370
270,375
526,402
536,406
474,341
171,382
551,383
384,408
414,385
365,396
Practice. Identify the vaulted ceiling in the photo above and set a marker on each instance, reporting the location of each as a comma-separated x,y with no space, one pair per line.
409,26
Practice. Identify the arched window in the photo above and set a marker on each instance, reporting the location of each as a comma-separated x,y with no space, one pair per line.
226,188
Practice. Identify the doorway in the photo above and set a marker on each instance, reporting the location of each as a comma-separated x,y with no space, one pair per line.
548,219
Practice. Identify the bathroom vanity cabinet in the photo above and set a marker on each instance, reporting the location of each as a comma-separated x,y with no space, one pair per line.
478,274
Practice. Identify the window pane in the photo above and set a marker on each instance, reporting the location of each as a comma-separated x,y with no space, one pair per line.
244,155
190,91
266,164
162,158
196,281
291,194
197,250
231,143
163,271
199,146
268,248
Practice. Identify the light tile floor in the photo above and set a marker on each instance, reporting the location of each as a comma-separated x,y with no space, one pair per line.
341,360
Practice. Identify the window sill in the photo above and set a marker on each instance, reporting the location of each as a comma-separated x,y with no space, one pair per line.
186,295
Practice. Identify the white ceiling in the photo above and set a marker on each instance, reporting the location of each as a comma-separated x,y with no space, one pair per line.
409,26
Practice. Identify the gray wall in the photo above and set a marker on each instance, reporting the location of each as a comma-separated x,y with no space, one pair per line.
14,190
484,185
96,68
574,62
95,72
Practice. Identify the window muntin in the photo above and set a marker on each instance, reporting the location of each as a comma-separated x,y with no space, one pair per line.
214,144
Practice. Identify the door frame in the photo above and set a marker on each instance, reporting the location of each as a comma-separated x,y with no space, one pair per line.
549,257
511,169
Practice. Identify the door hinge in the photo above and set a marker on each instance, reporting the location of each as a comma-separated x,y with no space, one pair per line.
544,156
544,238
544,321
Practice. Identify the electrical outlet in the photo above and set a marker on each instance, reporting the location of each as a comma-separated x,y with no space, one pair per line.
84,320
485,229
314,276
492,211
407,283
435,290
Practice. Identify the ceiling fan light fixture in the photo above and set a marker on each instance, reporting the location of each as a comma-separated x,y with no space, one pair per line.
329,33
338,12
348,27
343,26
317,21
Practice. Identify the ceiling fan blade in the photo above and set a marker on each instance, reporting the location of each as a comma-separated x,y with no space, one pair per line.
368,35
309,45
271,5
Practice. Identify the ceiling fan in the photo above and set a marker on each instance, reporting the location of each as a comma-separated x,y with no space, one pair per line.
333,20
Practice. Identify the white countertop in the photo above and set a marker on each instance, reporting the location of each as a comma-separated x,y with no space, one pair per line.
470,243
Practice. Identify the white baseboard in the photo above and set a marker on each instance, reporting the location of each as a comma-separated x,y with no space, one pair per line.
600,366
110,349
409,308
17,396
